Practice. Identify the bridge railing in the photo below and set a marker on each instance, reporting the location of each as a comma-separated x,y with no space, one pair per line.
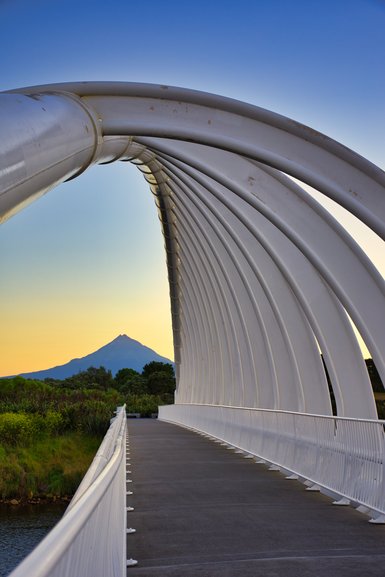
345,457
90,539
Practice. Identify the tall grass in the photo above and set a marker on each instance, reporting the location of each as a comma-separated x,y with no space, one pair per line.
48,436
48,467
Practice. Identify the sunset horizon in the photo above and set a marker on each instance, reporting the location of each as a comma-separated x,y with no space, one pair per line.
86,261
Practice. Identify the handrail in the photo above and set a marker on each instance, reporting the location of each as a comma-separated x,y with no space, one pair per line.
332,417
102,457
84,542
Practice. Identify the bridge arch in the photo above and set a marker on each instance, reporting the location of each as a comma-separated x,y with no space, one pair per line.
261,276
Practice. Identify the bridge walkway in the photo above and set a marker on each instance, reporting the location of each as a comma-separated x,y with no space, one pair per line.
201,510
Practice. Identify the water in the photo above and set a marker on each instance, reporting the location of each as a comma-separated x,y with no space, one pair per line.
22,528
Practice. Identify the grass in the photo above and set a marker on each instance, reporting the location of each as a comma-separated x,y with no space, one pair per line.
50,467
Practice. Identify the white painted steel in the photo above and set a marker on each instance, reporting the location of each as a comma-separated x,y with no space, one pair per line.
318,237
90,540
262,278
45,140
268,278
344,456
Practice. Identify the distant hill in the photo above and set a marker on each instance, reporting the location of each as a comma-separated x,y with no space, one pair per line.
120,353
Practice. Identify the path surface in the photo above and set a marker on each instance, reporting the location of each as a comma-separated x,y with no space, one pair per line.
200,510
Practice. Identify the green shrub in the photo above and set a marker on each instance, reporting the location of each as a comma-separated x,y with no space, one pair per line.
96,416
146,405
16,429
54,422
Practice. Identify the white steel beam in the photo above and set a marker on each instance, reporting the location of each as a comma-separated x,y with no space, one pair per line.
261,276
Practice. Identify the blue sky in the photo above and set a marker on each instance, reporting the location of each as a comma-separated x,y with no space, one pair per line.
90,252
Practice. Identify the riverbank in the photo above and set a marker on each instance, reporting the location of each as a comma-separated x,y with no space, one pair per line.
48,470
24,502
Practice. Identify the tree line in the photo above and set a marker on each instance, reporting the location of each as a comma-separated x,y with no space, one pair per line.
156,378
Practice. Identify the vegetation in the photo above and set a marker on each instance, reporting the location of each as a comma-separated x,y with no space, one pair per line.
50,430
48,468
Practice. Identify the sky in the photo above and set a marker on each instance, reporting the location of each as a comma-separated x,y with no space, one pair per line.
86,262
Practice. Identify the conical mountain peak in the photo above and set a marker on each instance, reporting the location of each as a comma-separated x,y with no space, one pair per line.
122,352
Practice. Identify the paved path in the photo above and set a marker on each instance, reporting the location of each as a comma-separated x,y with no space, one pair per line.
203,511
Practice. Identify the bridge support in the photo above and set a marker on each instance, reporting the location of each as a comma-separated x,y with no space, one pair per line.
262,278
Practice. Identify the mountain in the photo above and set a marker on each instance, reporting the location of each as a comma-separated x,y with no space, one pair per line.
120,353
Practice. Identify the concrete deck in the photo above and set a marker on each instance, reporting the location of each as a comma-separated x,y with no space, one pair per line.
203,511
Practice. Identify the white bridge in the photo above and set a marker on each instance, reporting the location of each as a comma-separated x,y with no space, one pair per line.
263,280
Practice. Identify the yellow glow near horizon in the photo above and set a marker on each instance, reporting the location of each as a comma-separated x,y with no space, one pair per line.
42,336
79,267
